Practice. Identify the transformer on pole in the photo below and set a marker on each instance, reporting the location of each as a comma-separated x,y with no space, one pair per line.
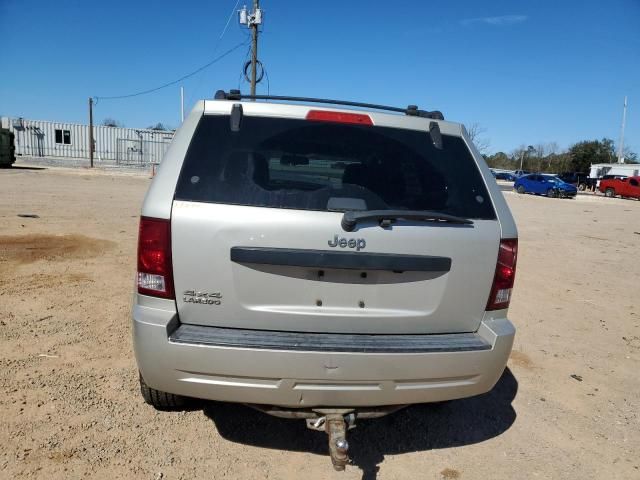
252,20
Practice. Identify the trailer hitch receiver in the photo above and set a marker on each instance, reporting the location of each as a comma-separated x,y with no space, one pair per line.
336,428
335,422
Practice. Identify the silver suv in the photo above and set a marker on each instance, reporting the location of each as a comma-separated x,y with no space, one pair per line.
322,263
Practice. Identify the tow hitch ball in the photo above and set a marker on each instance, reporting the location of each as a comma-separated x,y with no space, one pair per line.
335,424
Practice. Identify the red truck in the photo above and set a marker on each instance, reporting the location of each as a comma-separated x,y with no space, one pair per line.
625,187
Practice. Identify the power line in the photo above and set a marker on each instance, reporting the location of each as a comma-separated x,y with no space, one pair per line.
215,48
233,10
151,90
246,57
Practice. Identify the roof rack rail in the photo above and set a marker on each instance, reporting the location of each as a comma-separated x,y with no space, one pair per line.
411,110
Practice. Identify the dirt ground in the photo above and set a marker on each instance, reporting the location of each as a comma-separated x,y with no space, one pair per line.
566,407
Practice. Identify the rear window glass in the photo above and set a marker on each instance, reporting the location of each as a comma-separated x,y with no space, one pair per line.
307,165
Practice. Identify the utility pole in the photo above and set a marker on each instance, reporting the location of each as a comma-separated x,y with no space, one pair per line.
521,159
524,152
252,20
621,144
91,131
254,48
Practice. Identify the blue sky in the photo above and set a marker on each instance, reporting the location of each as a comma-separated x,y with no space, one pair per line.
526,71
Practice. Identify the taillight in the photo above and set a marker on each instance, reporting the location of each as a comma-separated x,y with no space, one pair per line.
339,117
155,274
500,295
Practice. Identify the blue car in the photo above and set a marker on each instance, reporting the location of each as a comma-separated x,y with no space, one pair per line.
505,176
548,185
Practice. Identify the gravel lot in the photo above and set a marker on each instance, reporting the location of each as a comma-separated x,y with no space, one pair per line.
566,407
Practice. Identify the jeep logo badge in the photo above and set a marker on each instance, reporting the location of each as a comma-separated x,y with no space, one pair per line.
357,243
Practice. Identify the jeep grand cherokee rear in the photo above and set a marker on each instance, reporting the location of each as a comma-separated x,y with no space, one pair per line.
305,257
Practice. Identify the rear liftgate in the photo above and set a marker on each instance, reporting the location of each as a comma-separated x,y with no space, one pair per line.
336,422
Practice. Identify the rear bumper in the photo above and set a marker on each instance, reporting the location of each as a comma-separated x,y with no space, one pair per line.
196,365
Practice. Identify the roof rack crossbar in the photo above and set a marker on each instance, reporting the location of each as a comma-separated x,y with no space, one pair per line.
411,110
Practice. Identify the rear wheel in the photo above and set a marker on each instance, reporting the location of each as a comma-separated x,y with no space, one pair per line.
582,187
610,192
552,193
520,189
161,400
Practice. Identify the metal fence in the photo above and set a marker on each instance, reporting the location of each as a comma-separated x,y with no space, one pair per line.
122,146
139,152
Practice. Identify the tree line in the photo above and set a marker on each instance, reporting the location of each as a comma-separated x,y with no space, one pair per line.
547,157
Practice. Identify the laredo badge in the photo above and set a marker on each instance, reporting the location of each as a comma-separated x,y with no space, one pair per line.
204,298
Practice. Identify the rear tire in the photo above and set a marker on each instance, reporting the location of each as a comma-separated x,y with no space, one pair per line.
582,187
520,189
161,400
551,193
610,192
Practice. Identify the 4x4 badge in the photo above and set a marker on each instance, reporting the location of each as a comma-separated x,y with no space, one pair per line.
205,298
342,242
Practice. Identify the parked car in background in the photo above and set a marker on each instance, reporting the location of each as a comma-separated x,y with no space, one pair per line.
548,185
7,148
625,187
612,177
609,177
579,179
505,176
519,173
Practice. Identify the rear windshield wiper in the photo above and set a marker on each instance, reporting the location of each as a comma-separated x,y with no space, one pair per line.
386,217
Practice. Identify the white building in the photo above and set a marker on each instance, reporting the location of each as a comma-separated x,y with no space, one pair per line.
599,170
126,146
